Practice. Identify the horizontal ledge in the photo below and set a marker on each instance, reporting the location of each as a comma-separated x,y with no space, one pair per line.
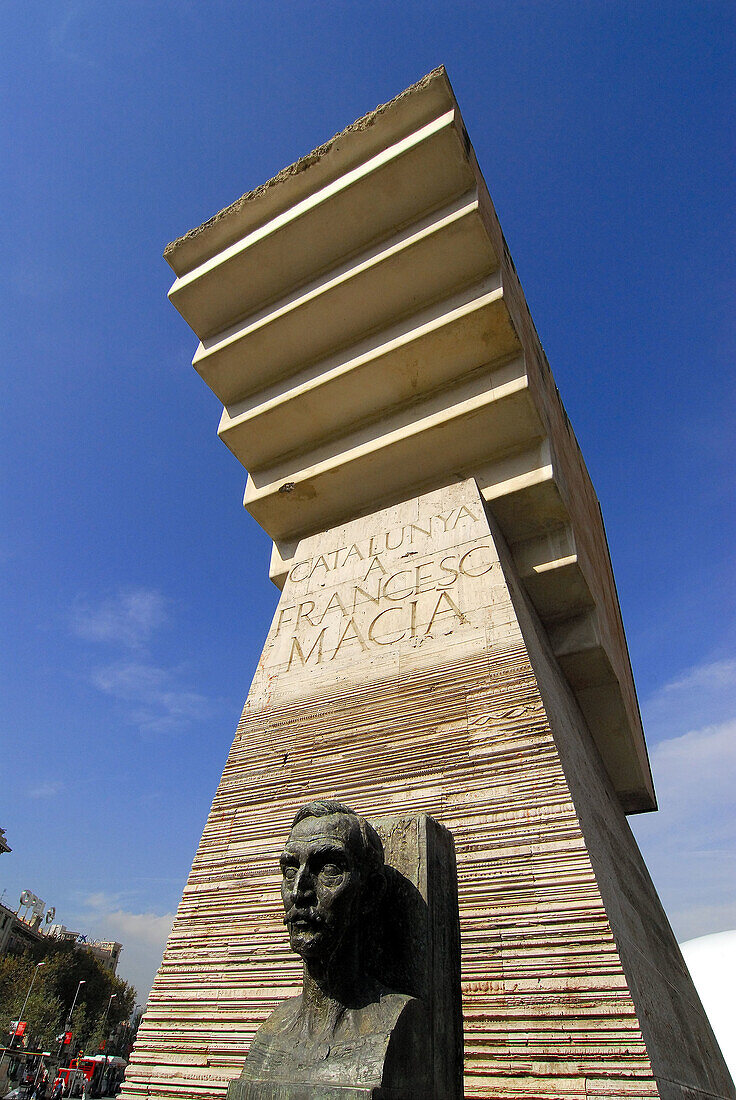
407,457
398,185
481,390
433,259
516,475
548,565
449,342
558,587
413,108
579,634
549,550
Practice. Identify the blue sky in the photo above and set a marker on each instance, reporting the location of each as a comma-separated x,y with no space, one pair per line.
135,593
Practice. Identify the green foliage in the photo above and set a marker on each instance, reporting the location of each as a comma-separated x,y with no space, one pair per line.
43,1009
65,965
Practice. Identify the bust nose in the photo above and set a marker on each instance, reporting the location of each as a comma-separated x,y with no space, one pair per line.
303,885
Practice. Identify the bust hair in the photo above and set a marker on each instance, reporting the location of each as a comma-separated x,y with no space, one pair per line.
372,848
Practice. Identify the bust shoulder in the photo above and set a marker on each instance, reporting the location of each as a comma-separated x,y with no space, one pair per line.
383,1013
282,1019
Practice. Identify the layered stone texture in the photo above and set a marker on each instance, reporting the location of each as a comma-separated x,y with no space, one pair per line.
361,320
406,672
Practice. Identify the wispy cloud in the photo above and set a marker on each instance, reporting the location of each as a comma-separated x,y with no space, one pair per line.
690,844
159,702
697,769
127,619
103,901
130,680
715,675
700,696
46,790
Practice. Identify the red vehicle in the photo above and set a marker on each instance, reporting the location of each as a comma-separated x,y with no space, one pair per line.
103,1074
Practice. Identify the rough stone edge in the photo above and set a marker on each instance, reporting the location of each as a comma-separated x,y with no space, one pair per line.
304,162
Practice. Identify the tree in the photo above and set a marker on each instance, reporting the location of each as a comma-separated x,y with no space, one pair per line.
65,965
43,1009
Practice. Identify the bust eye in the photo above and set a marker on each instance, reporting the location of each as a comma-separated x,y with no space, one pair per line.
331,870
288,870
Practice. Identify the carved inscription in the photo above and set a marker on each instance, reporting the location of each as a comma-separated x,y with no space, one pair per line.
408,536
381,590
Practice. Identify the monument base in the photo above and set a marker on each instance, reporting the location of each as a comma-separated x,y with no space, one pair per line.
271,1090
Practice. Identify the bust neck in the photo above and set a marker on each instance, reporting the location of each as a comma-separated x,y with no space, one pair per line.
331,985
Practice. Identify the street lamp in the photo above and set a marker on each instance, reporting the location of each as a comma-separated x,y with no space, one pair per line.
102,1030
71,1010
68,1023
22,1011
30,987
112,998
102,1026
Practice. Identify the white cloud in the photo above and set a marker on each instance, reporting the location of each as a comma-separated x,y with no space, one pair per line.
159,704
101,900
143,936
697,768
700,696
712,964
46,790
717,674
145,929
158,701
130,679
128,619
690,844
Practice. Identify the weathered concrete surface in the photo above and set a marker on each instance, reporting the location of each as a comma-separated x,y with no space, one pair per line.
685,1057
333,157
405,670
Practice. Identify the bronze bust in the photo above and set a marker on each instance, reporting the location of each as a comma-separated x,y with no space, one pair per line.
346,1035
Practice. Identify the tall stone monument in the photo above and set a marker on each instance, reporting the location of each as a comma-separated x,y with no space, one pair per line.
448,638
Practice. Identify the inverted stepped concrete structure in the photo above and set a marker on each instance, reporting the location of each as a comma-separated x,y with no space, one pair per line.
448,639
362,322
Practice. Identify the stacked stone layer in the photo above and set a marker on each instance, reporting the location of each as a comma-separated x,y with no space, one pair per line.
545,1002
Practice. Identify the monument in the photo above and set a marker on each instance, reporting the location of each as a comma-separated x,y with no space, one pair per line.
447,641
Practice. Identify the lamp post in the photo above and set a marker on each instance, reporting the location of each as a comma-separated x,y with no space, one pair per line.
71,1010
71,1013
102,1029
112,997
22,1011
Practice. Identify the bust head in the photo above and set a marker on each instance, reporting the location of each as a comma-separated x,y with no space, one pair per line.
332,876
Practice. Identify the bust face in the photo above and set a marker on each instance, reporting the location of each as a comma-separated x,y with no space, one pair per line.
322,883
